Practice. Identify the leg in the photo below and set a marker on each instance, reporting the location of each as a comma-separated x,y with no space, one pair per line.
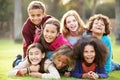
115,66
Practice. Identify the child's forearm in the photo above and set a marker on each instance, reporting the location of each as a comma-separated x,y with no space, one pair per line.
23,71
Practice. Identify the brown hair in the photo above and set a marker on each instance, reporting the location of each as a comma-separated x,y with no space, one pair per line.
39,46
65,50
105,19
53,21
36,5
64,29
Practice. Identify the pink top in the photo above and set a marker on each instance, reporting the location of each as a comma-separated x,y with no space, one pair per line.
59,41
36,38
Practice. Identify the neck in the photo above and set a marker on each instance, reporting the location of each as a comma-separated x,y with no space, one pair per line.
99,36
74,33
88,64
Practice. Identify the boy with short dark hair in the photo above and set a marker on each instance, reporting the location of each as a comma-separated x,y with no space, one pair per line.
33,25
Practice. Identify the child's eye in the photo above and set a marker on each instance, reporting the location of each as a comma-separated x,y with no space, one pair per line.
46,31
30,53
92,51
64,63
32,15
68,22
96,23
59,60
53,31
36,53
38,15
85,51
102,24
74,20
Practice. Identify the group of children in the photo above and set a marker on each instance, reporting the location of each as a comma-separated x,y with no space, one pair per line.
53,48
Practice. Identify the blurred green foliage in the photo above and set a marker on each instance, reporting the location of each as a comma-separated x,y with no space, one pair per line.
55,8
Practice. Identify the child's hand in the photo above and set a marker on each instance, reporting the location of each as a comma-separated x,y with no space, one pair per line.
67,74
35,74
94,75
34,68
86,75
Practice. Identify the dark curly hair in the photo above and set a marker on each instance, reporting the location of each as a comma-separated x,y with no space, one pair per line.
100,50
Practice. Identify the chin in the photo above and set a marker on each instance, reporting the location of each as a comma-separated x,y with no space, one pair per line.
35,63
90,62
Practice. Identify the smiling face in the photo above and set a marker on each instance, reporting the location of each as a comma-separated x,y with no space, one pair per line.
50,33
98,27
71,23
36,16
61,61
35,55
89,54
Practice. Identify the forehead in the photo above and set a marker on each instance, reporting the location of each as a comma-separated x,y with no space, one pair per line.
89,46
50,27
70,17
63,58
99,20
39,11
34,49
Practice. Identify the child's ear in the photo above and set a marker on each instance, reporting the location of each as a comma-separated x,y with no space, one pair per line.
43,55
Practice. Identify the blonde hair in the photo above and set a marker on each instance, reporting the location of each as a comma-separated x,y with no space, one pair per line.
67,51
36,5
64,29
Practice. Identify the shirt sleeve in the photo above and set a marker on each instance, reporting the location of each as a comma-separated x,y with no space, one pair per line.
101,72
52,72
28,36
106,40
77,71
23,64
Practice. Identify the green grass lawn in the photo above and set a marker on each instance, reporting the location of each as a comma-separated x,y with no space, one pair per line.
9,49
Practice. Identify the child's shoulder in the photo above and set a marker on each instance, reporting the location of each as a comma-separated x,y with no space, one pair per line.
47,61
47,64
46,17
106,37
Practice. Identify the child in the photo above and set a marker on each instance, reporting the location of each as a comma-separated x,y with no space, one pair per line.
33,25
99,26
36,64
63,58
51,38
72,26
91,57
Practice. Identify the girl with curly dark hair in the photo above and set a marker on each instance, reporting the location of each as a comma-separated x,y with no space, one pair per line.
91,56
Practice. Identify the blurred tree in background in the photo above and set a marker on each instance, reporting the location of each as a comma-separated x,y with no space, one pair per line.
17,20
56,8
117,19
6,18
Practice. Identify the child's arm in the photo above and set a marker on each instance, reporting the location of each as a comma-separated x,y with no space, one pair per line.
77,71
101,72
19,70
52,72
106,40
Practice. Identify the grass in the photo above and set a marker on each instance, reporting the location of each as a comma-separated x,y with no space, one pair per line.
9,49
